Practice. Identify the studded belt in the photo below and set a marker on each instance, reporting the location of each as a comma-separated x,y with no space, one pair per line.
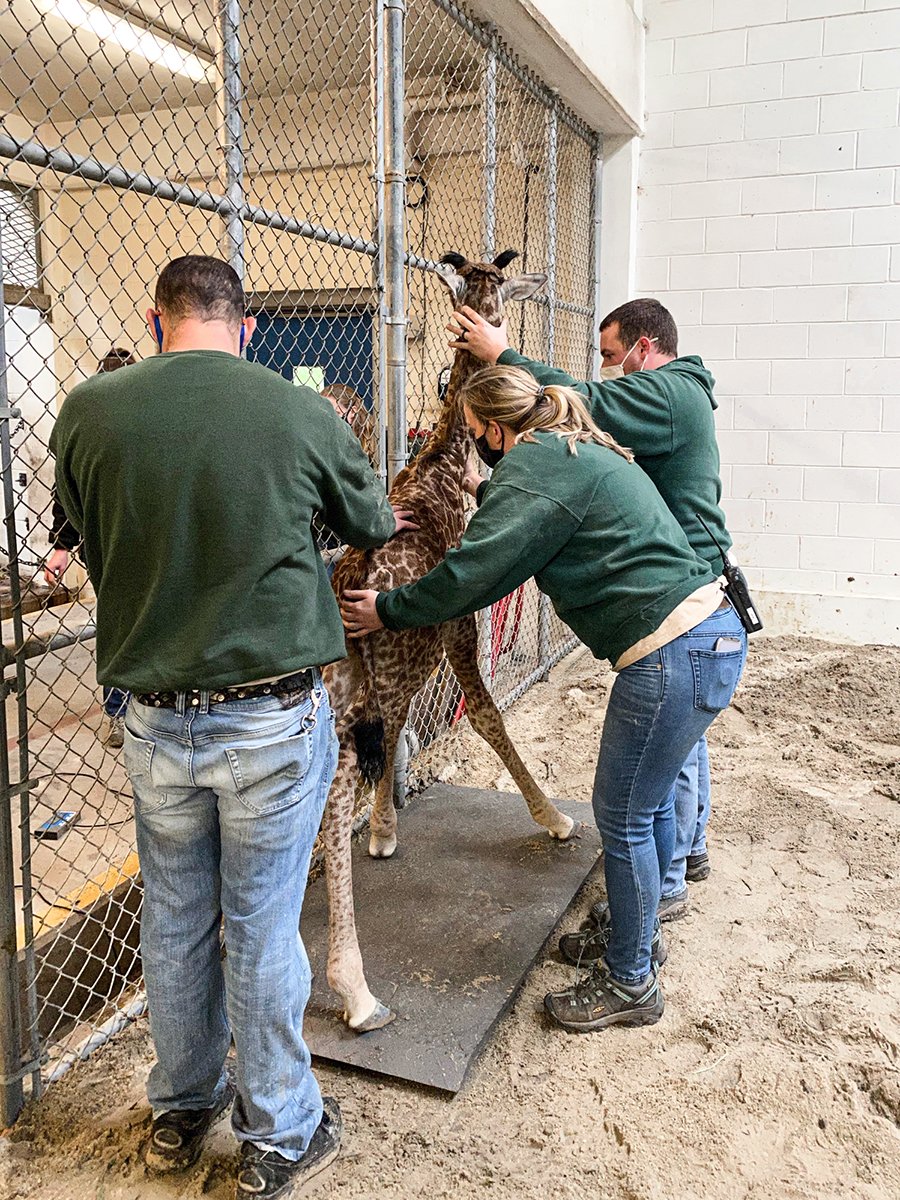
298,685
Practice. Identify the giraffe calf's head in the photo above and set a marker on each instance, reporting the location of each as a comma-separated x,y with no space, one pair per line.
483,286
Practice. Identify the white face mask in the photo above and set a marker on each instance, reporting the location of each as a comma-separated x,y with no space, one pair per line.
631,351
615,372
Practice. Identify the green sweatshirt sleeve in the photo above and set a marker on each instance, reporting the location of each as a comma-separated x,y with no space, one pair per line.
636,409
66,491
510,538
548,375
355,508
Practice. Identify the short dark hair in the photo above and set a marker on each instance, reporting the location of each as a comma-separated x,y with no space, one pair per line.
644,318
115,358
203,287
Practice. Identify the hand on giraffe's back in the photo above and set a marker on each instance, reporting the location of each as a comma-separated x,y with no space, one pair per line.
403,519
473,333
359,613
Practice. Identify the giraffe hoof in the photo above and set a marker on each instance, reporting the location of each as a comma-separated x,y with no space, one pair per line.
382,847
564,829
377,1019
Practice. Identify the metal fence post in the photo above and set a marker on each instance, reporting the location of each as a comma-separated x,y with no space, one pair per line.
232,95
392,262
378,266
395,237
597,211
490,147
485,628
552,215
11,1089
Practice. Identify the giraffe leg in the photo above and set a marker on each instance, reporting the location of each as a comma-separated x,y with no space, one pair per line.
461,644
421,658
383,818
362,1010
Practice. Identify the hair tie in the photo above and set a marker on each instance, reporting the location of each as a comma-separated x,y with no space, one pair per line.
541,394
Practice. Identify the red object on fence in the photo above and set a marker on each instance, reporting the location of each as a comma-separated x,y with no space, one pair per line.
499,621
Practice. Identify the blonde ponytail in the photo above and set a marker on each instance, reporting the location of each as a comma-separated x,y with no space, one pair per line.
513,398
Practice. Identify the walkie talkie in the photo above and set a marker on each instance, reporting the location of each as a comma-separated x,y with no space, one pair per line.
736,590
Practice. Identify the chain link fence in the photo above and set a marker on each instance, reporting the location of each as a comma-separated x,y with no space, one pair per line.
331,153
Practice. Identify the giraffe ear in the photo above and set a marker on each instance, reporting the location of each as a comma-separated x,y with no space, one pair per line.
454,283
522,286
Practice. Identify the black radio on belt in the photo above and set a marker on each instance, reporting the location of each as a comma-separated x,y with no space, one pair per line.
736,590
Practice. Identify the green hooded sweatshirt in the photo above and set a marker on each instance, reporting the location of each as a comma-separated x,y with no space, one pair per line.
194,478
666,417
591,528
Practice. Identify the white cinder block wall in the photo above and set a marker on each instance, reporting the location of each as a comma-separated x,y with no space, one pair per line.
769,222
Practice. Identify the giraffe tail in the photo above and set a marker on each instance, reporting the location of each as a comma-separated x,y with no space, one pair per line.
368,735
368,732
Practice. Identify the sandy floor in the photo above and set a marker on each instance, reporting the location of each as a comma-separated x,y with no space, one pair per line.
776,1069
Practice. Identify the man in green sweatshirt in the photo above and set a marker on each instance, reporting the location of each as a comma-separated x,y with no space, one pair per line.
661,406
193,478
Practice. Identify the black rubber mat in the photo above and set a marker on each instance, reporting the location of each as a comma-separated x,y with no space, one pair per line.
448,928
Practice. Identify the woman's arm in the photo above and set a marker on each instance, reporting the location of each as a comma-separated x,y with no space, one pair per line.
512,536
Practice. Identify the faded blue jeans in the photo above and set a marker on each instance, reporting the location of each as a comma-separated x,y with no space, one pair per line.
228,802
115,701
659,708
692,803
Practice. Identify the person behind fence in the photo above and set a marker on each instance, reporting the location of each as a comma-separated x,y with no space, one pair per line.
567,505
65,541
662,406
193,478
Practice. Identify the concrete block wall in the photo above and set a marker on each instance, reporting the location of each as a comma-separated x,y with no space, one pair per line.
769,223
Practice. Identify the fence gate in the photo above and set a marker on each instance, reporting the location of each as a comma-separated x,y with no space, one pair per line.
331,153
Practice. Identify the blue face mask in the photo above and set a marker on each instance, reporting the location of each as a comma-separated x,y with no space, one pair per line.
157,329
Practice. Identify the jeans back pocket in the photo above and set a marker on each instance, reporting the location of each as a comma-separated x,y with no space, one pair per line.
716,675
269,778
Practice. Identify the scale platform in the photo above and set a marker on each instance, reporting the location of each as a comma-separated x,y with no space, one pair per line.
448,928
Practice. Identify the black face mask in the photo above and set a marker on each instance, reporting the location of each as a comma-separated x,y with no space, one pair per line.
488,456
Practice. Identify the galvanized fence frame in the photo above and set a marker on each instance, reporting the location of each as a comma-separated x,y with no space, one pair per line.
23,1048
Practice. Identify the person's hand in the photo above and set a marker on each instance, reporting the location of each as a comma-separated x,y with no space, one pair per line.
359,614
55,565
403,519
473,333
472,480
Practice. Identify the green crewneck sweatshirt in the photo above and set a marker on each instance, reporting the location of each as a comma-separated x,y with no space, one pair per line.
590,528
194,477
666,417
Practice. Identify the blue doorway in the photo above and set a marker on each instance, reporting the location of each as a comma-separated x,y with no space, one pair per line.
317,349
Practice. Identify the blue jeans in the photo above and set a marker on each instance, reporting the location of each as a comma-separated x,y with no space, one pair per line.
115,701
228,802
691,816
659,708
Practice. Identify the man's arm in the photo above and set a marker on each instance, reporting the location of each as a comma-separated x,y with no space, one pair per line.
62,534
354,504
635,409
551,375
66,500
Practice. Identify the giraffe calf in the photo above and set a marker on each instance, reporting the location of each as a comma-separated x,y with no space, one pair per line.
371,690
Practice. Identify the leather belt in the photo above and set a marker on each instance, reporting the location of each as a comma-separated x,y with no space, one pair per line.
300,681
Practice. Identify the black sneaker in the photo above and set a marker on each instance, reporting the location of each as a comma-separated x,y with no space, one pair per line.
670,908
176,1137
697,868
587,945
599,1001
267,1174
